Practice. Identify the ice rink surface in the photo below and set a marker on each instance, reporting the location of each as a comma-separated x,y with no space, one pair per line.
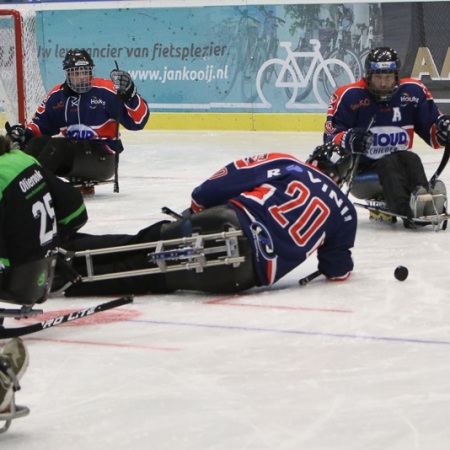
363,364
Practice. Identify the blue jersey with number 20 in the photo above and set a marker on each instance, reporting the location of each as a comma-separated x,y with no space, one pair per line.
288,210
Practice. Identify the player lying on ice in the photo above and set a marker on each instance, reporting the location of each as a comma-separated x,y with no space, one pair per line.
377,117
283,209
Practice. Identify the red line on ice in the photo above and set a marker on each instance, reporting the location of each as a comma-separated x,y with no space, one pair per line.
105,344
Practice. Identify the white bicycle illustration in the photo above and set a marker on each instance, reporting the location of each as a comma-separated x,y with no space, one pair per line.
301,68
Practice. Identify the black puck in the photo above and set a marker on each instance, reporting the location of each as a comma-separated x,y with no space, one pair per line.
401,273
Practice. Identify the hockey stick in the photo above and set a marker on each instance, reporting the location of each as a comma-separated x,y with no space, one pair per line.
356,162
171,213
442,164
6,333
353,173
310,277
116,155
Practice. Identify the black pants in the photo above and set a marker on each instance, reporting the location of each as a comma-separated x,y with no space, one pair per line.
216,279
70,158
399,174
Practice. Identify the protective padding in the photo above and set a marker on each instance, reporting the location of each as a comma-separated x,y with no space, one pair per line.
29,283
367,186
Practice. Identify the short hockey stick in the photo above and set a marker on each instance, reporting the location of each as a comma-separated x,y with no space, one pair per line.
353,173
171,213
6,333
310,277
442,164
116,155
356,162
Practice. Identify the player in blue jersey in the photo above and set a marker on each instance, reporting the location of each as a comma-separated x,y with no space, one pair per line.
286,209
377,117
84,110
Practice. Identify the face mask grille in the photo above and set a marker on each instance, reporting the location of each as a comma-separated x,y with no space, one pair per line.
80,79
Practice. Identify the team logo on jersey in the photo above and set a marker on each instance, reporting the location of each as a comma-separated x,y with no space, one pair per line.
95,102
80,132
263,240
329,129
59,105
220,173
388,140
405,99
249,161
362,103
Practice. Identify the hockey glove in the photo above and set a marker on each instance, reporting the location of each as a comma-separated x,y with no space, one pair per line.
357,140
443,129
17,133
124,84
187,212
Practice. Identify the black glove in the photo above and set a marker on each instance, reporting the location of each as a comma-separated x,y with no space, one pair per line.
443,129
187,212
357,140
124,84
17,133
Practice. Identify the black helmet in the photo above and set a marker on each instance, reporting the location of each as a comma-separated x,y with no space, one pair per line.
333,160
79,68
77,58
382,60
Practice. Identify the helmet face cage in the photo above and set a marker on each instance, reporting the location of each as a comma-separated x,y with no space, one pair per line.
79,69
80,79
332,160
382,60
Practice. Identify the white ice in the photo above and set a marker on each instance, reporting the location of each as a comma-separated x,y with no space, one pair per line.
363,364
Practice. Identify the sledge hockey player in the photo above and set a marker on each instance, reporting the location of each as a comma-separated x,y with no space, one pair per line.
377,117
14,360
38,212
85,110
285,208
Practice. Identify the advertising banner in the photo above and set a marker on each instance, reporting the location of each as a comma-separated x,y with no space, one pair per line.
259,58
270,58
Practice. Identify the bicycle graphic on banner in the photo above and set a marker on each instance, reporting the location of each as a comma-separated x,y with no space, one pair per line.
298,74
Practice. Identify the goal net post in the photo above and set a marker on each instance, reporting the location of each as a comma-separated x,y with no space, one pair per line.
21,86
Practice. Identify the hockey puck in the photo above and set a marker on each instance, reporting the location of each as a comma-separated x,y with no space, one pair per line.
401,273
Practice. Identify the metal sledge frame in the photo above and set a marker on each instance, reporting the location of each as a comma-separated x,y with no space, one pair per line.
186,253
24,312
15,412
